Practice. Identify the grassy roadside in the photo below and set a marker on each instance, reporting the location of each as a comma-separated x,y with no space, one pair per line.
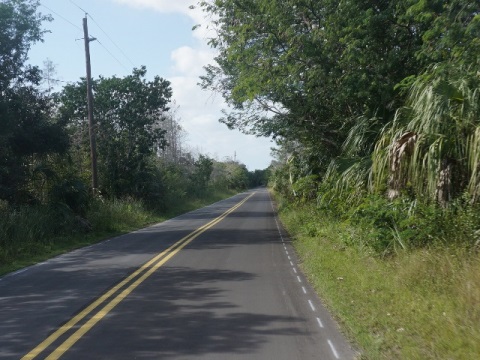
418,304
34,234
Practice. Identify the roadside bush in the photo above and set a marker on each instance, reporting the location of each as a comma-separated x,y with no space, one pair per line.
421,303
117,215
338,202
72,192
306,188
402,224
29,229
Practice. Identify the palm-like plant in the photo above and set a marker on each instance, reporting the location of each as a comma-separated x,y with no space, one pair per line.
348,175
433,144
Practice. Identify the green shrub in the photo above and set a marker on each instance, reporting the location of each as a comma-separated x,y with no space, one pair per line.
117,215
28,229
421,303
306,188
72,192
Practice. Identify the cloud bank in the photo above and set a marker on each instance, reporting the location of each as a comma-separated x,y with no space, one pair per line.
200,110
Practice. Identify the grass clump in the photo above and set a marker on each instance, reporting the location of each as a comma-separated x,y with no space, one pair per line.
412,303
30,234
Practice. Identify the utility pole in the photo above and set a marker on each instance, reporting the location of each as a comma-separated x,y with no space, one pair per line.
91,123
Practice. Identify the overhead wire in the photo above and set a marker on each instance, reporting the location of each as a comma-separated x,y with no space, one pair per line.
79,7
62,17
109,38
96,23
113,56
113,42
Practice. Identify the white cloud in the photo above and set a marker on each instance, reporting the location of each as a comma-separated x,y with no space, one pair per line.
190,61
167,6
189,8
200,110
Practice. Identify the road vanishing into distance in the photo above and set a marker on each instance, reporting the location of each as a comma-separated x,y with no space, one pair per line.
221,282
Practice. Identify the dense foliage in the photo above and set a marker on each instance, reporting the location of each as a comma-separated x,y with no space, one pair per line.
45,169
28,133
373,103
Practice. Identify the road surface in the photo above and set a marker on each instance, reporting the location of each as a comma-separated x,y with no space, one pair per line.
221,282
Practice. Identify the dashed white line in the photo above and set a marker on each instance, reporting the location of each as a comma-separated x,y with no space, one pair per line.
333,349
319,322
289,258
303,288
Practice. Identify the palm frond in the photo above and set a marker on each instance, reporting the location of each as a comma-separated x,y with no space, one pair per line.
433,144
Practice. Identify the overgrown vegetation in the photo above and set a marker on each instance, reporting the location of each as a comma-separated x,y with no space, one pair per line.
33,233
376,112
366,99
375,108
146,172
415,304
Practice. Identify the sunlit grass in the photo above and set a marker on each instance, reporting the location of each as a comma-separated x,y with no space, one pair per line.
420,304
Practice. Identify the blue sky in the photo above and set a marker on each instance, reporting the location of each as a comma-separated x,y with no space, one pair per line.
157,34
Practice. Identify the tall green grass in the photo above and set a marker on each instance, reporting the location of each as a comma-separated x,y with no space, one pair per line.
29,234
419,303
26,230
119,215
32,233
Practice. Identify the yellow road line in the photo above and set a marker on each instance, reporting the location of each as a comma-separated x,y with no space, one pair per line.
166,255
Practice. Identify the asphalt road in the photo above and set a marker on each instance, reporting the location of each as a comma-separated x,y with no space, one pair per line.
221,282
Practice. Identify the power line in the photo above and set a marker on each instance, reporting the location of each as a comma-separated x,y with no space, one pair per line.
113,56
79,7
62,81
109,38
113,42
60,16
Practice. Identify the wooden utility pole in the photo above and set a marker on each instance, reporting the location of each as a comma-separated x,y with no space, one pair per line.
91,123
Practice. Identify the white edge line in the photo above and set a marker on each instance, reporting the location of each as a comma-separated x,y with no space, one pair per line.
20,271
333,349
320,322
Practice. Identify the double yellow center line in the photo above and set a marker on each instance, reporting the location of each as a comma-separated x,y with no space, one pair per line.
128,285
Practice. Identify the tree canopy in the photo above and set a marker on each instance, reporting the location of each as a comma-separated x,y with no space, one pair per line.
330,79
27,132
128,113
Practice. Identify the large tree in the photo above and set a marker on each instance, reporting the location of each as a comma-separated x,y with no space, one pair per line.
127,113
27,132
306,70
433,143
